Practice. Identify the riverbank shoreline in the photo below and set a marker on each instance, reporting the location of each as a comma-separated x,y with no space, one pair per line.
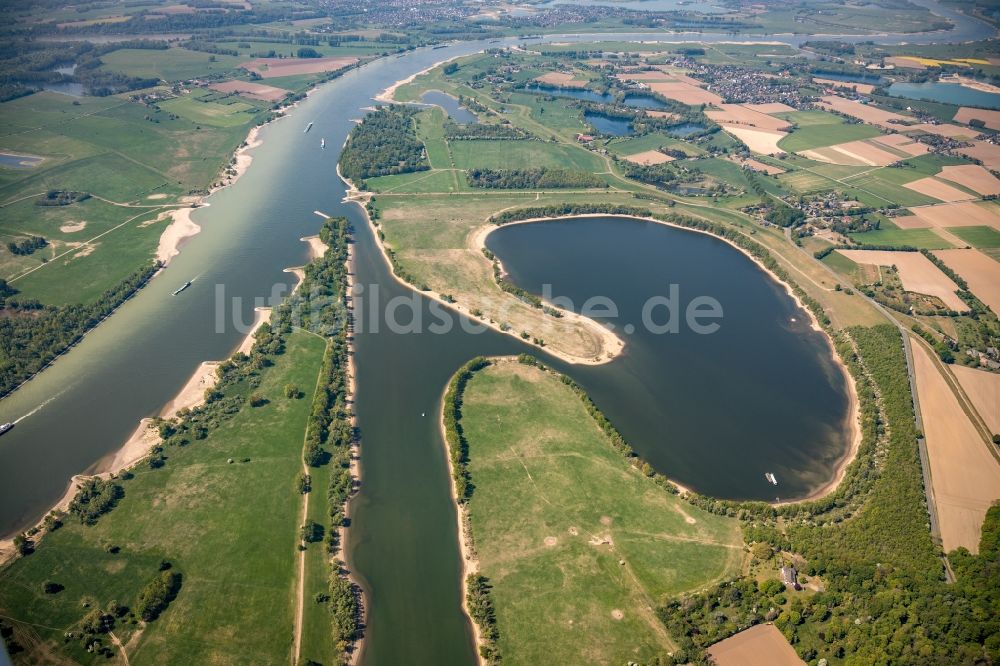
469,560
137,446
388,95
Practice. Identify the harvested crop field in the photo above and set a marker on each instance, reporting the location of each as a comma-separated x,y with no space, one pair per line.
648,157
562,80
685,93
863,88
945,129
964,214
757,165
933,187
972,176
916,272
760,141
249,89
985,152
906,62
868,114
761,645
983,389
991,118
903,143
852,153
770,107
737,114
270,68
980,271
964,475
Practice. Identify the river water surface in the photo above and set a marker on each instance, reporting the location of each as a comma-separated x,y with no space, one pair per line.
403,543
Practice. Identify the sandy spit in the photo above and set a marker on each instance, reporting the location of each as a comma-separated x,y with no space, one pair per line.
612,345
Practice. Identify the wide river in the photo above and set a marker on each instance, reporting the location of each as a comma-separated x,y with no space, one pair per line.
402,543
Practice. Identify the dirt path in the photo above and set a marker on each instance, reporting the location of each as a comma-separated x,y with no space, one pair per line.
300,588
121,648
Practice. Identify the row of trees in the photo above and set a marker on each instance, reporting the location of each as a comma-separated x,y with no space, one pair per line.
26,246
32,335
483,131
321,304
564,210
532,178
384,143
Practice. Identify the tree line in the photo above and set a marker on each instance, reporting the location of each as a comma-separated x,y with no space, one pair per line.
532,178
321,305
33,335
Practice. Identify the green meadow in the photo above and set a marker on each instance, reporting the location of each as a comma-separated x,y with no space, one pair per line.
223,511
577,544
174,64
817,131
135,161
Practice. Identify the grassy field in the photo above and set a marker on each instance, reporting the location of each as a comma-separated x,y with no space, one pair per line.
577,544
174,64
230,529
200,107
651,142
918,238
817,131
133,159
978,237
520,154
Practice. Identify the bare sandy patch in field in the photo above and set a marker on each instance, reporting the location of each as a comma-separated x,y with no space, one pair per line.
863,88
972,176
649,157
991,118
684,92
933,187
760,141
157,197
964,214
269,68
964,475
901,142
561,79
770,107
985,152
864,112
73,227
916,272
761,645
983,389
85,251
980,271
249,89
